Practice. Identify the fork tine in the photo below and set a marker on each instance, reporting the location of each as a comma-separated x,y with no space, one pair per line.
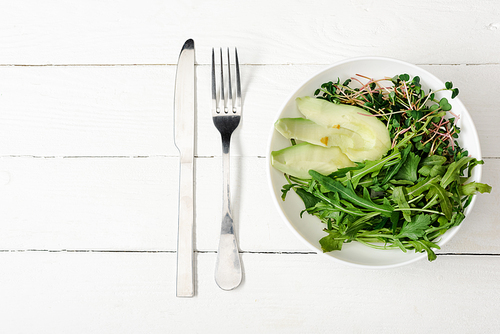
215,108
238,82
230,89
222,95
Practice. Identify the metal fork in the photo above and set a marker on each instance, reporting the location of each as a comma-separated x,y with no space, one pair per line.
226,117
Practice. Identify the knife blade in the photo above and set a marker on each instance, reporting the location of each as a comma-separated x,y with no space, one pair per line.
184,109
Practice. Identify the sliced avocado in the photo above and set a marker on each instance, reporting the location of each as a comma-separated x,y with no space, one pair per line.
330,115
306,130
297,160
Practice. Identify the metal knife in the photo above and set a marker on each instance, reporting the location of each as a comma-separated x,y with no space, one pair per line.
184,104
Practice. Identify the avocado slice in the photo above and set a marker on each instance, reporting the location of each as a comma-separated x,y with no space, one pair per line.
298,159
376,139
306,130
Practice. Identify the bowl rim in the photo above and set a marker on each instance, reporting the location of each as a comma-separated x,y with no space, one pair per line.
449,234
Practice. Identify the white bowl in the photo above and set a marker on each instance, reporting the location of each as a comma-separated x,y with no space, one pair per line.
308,228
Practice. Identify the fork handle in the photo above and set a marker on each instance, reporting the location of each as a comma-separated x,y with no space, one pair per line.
228,267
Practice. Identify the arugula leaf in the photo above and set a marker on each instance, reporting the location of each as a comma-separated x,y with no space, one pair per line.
399,197
370,167
309,199
444,200
348,193
434,160
409,169
416,228
438,170
285,189
454,171
334,201
425,170
471,166
432,170
359,224
473,188
422,186
395,169
424,245
394,220
331,242
343,171
457,219
398,243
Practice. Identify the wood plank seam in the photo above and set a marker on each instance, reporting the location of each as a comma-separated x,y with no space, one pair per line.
205,252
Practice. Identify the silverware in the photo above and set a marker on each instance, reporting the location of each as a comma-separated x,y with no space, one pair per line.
184,140
226,117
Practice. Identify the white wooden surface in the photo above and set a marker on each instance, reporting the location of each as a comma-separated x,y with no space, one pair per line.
89,172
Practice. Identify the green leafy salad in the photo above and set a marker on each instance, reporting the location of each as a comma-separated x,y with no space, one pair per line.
378,164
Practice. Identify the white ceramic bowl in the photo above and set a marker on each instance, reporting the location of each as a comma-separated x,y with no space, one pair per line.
309,228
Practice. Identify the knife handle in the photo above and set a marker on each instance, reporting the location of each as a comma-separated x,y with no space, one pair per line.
185,252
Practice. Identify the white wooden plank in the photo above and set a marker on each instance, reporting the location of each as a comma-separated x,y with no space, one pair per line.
153,31
56,111
131,204
90,203
127,111
134,293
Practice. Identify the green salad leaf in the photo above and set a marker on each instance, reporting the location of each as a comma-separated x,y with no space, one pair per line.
415,228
